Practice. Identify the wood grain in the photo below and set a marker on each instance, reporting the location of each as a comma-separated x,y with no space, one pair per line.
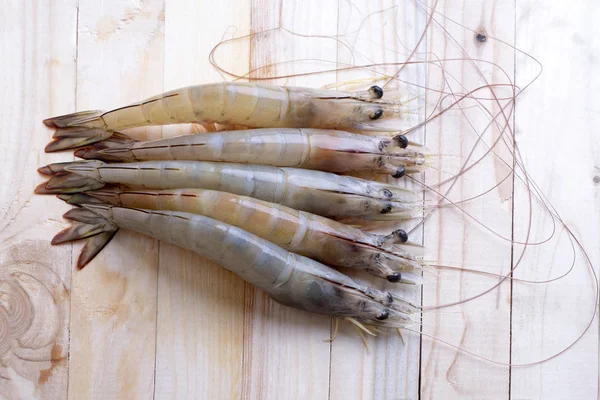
388,368
113,328
38,47
149,320
200,304
482,325
285,352
557,119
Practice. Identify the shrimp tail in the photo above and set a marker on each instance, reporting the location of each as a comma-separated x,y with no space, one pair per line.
78,231
78,199
88,119
54,169
71,138
97,229
67,183
93,246
76,130
82,167
116,148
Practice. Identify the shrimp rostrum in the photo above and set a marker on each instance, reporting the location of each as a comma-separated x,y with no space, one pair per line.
253,105
321,239
288,278
322,193
320,149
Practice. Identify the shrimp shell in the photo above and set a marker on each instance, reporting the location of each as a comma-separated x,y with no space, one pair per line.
317,192
322,239
253,105
290,279
320,149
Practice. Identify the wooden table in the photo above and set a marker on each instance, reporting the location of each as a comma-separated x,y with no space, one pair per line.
148,320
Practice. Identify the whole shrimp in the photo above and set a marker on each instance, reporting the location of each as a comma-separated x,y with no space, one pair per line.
322,239
317,192
290,279
253,105
321,149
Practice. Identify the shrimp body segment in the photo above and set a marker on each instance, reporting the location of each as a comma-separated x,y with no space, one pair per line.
254,105
320,149
288,278
317,192
322,239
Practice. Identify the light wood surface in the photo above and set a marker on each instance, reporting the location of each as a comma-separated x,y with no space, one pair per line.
149,320
455,238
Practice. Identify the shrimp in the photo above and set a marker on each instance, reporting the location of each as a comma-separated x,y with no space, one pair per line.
322,239
325,150
317,192
253,105
289,279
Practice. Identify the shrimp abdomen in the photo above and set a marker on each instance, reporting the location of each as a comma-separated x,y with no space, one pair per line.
248,104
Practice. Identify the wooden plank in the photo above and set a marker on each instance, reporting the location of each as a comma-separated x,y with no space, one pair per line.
38,80
557,119
200,304
219,338
381,32
120,51
481,326
285,355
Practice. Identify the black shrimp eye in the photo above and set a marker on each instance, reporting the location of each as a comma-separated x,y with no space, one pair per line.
383,315
402,235
399,172
376,92
401,141
376,114
386,209
395,277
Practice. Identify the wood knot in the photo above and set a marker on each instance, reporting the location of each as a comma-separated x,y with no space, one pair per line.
33,310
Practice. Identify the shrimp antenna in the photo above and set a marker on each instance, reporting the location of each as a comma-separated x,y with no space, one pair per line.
335,331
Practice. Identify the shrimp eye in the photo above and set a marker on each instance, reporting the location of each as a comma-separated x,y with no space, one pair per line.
387,193
395,277
384,315
401,141
376,92
376,114
401,235
399,172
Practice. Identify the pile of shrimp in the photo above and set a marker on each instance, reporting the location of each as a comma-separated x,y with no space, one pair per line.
285,192
269,202
273,203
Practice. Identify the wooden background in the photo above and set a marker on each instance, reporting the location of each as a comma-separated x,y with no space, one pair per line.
148,320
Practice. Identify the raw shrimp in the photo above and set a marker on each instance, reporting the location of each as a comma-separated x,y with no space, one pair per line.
253,105
322,239
321,149
290,279
317,192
